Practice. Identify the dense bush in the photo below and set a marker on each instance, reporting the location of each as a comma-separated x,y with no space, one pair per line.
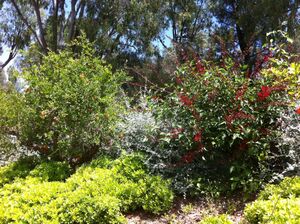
18,169
276,204
72,103
289,187
91,195
138,128
220,121
51,171
289,144
11,109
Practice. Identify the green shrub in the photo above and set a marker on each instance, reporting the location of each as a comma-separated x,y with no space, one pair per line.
128,180
91,195
219,119
276,211
131,166
18,169
51,171
289,187
102,161
72,104
276,204
11,111
220,219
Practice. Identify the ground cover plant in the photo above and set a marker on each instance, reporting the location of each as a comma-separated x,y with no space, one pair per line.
91,195
286,209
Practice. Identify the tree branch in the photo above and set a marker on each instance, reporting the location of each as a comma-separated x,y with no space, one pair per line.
25,21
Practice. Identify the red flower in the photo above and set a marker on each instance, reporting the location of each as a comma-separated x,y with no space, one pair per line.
200,68
237,115
188,157
197,137
185,100
266,58
298,111
264,93
240,93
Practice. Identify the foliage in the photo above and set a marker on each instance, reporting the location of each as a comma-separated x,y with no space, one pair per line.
11,110
284,68
91,195
72,104
276,203
220,219
289,187
51,171
18,169
220,121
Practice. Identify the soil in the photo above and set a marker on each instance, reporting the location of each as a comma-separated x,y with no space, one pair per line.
189,211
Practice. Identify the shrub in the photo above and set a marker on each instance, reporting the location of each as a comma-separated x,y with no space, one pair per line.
220,219
220,121
265,211
11,111
276,203
289,187
150,193
51,171
289,145
91,195
18,169
72,104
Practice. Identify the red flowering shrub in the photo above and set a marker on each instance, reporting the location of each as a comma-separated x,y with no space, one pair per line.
229,119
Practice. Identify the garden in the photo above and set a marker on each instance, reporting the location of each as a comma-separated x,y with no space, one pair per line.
103,129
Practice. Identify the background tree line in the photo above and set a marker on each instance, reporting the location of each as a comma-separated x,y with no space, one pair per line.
146,38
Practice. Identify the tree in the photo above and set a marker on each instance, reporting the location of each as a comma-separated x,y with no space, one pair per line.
252,20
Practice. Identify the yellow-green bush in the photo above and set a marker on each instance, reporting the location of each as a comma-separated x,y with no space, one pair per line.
51,171
220,219
18,169
277,204
290,186
91,195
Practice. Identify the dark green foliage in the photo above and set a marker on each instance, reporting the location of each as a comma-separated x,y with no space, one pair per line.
72,104
219,125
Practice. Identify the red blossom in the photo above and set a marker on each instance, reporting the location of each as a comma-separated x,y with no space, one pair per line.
264,131
266,58
188,157
198,137
264,93
244,145
185,100
191,155
200,68
240,93
237,115
298,111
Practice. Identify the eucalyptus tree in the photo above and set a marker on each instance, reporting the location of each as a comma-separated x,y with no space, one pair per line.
252,20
